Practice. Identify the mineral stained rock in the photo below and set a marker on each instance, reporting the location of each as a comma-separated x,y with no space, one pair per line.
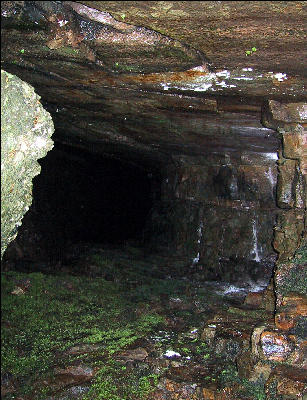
26,130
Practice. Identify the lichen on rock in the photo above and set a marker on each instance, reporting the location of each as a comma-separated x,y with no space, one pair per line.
26,130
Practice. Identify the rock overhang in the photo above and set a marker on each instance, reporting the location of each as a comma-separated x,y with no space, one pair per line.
223,141
109,95
101,72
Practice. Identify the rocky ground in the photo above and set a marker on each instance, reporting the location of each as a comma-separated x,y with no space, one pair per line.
120,325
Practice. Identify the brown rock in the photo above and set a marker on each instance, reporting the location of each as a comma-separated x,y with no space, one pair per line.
181,391
288,233
291,308
208,394
251,368
290,382
264,299
138,354
288,387
245,364
298,357
208,335
276,115
62,378
269,297
157,395
261,371
284,322
285,183
254,299
84,348
75,374
293,144
226,393
275,346
298,303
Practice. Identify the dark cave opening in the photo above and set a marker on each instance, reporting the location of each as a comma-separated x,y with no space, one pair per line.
81,197
86,197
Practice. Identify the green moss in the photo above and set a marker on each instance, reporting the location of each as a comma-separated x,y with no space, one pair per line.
100,318
127,68
68,51
254,390
301,255
117,382
261,314
140,277
58,312
296,279
229,375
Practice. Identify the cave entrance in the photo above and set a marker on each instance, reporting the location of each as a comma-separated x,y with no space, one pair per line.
81,197
88,198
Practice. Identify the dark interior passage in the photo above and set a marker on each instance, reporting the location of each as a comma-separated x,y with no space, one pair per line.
84,197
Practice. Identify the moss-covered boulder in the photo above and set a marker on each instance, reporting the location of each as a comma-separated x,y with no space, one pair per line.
26,130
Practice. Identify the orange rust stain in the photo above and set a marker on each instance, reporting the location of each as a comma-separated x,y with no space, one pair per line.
12,153
12,188
165,77
284,321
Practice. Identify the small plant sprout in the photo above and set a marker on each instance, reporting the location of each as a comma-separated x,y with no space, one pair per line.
123,16
22,51
250,52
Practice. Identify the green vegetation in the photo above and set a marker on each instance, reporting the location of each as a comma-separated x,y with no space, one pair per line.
142,279
50,314
254,390
301,255
117,382
250,52
126,68
55,321
296,278
69,51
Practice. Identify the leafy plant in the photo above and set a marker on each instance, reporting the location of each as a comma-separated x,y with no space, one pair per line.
250,52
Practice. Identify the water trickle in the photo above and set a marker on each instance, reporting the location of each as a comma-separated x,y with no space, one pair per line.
196,259
255,248
271,178
199,234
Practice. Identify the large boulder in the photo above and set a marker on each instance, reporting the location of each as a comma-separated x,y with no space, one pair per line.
26,130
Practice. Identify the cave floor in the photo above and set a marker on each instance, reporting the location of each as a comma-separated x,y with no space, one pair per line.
115,325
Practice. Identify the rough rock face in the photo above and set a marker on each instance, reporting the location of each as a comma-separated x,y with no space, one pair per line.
26,129
119,85
209,99
290,233
123,86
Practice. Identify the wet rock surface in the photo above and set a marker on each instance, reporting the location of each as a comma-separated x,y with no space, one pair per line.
135,94
159,338
208,100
